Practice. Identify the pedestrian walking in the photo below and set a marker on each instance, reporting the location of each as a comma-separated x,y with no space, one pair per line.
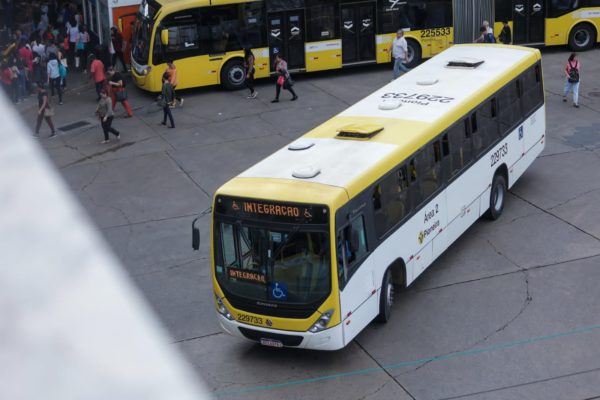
166,99
72,36
399,52
83,41
117,44
14,76
27,59
53,71
97,74
572,71
485,36
488,28
45,112
505,36
7,79
172,72
105,113
249,69
118,91
284,80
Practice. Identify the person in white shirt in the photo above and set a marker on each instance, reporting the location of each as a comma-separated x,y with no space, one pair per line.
53,70
399,51
487,27
73,34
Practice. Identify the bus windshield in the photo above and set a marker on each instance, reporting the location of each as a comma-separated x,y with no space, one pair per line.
273,265
140,48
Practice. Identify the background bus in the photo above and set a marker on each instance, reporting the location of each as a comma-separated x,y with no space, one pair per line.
305,244
206,37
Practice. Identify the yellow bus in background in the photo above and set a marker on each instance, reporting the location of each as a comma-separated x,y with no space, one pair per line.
206,38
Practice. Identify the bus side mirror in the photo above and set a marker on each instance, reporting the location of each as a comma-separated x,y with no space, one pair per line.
195,236
164,37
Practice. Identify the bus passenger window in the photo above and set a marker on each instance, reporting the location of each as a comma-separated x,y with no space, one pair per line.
445,145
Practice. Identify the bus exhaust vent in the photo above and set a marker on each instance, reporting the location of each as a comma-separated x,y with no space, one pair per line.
465,63
301,145
306,172
359,131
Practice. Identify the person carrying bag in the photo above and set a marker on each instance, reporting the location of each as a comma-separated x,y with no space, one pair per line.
284,79
572,79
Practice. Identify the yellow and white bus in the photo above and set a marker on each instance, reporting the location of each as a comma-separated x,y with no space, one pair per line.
306,244
206,38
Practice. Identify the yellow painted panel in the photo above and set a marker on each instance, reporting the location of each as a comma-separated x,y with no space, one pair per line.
558,29
323,55
261,62
383,43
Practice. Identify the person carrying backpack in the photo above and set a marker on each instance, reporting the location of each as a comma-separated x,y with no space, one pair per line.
572,79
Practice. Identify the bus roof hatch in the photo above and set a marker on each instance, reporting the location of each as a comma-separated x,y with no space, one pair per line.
359,131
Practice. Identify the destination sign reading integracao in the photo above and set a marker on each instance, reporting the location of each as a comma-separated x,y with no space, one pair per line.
272,211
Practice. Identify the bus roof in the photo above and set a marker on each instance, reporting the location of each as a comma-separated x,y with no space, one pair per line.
412,110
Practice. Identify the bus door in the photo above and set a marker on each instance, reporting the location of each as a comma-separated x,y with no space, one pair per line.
286,36
528,21
358,32
125,24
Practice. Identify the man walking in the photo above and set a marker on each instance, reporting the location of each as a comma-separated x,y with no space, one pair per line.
399,51
97,73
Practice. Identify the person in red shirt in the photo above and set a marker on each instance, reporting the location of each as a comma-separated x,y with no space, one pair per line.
7,79
97,73
27,58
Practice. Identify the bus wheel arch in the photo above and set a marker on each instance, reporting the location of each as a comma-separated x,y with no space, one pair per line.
394,274
582,36
498,193
233,75
414,53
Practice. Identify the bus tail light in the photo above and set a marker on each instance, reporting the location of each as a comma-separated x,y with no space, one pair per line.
222,309
322,322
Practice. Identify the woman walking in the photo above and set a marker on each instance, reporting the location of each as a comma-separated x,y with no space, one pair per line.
44,111
167,98
105,113
118,93
283,79
249,68
572,79
72,36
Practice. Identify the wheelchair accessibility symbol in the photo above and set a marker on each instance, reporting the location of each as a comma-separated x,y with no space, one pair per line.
278,291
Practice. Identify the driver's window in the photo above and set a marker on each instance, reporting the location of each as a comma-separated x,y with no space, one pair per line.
228,243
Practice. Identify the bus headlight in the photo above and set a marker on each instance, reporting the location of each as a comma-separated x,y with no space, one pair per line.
322,322
221,309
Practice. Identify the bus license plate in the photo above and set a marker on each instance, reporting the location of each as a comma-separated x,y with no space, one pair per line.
271,342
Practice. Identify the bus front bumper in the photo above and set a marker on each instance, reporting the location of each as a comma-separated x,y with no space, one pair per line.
329,339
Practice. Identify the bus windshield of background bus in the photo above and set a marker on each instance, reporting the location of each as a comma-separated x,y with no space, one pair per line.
140,48
274,265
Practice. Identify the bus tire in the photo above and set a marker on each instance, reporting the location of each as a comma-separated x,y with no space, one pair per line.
386,297
233,75
497,197
582,37
414,53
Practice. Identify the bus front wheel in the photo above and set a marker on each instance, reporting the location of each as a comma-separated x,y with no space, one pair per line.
582,37
414,53
233,76
386,297
497,197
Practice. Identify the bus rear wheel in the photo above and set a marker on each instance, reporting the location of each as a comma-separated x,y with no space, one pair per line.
582,37
497,197
414,54
386,297
233,75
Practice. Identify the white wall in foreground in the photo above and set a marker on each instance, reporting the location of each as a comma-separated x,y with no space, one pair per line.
72,326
